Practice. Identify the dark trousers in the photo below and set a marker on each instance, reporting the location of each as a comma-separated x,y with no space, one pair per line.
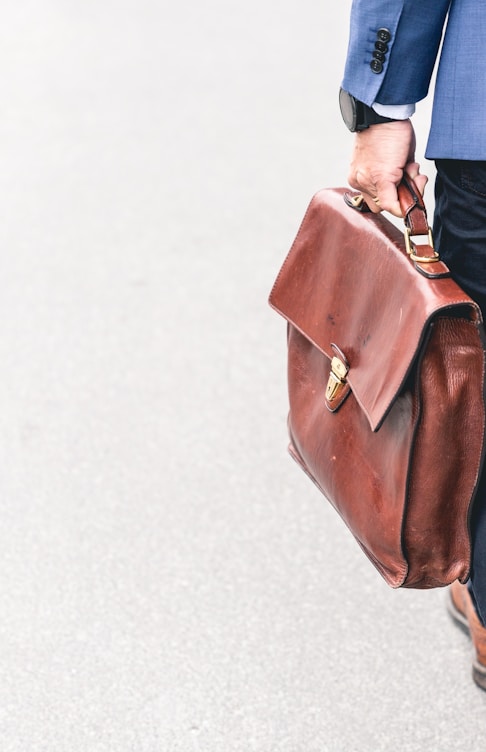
460,238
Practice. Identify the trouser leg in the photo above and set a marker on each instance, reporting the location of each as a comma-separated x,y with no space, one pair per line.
460,237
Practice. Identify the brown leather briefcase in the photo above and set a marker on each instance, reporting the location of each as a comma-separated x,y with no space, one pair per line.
386,384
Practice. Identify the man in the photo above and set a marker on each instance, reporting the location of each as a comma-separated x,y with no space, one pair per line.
393,47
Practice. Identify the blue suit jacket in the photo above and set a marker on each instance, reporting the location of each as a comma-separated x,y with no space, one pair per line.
401,72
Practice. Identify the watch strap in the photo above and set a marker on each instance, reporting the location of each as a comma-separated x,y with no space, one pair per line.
367,116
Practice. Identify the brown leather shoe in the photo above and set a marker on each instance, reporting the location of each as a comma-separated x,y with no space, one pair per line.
462,610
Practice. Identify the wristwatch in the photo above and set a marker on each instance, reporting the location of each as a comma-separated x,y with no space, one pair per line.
357,115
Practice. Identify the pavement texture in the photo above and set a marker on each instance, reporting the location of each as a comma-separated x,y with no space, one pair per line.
170,580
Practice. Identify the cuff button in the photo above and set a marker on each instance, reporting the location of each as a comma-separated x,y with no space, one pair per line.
383,35
381,46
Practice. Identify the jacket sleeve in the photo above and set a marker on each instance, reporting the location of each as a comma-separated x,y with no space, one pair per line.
392,49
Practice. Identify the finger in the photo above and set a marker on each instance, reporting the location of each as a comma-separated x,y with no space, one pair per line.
394,209
363,182
360,182
373,202
388,198
355,181
413,171
421,181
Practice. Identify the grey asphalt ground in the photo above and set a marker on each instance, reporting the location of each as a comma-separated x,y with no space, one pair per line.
170,580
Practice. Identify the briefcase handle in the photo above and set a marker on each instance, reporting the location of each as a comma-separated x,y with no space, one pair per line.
416,224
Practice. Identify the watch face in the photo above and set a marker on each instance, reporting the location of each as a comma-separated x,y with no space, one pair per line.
347,104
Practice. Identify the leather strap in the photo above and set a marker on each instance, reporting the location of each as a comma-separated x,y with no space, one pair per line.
413,207
416,223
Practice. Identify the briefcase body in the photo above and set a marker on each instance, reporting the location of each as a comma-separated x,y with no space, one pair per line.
386,385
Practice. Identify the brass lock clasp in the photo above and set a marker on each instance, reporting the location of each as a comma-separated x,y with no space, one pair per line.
337,386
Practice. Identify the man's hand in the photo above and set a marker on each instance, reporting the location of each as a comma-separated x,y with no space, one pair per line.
381,154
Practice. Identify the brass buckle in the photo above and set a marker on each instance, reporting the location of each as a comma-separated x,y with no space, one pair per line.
410,247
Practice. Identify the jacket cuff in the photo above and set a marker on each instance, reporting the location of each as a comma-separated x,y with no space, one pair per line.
395,111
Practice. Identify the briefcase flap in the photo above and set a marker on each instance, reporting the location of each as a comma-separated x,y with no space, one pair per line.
348,281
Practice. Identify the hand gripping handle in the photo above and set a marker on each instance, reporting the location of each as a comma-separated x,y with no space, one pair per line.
415,218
